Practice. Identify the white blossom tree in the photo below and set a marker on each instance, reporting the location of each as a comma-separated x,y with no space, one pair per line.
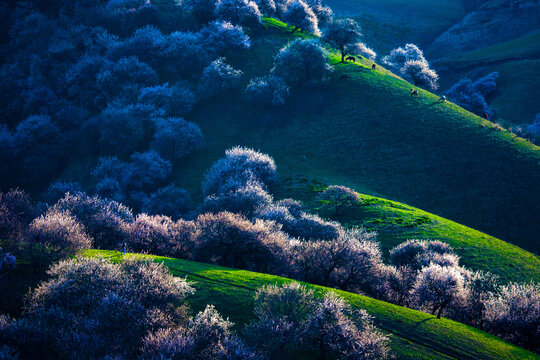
343,34
409,62
300,16
267,91
241,12
419,73
218,77
54,236
302,62
514,314
437,286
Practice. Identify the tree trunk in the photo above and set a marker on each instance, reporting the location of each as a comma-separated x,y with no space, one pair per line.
441,308
321,349
37,268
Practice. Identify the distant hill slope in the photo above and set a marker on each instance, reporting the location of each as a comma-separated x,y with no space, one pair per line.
451,31
391,23
494,22
413,334
518,63
396,222
370,134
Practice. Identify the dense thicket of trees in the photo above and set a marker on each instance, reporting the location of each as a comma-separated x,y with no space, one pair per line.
104,220
110,78
206,336
92,308
513,313
240,225
171,200
105,78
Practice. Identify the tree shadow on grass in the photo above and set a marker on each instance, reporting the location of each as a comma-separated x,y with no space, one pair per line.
421,322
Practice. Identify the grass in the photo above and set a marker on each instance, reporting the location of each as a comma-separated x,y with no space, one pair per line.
370,134
413,334
395,223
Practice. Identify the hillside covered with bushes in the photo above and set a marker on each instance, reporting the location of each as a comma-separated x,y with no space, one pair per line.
277,173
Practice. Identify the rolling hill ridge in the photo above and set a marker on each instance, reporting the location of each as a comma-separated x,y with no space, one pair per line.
370,134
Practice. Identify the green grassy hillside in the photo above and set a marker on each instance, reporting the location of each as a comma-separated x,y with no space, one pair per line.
413,334
396,222
517,61
370,134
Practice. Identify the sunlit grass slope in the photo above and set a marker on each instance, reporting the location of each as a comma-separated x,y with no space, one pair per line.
414,335
370,134
518,63
396,222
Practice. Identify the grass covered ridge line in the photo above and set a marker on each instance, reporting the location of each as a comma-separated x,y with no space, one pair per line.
413,334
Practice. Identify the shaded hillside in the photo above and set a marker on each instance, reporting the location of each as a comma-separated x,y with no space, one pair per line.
516,61
390,23
371,135
413,334
494,22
